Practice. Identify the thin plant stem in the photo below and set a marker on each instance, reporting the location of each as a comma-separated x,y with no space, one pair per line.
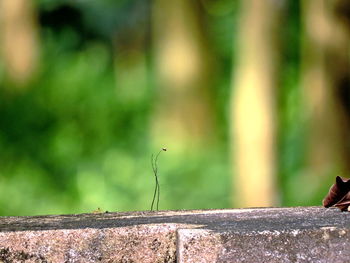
155,175
154,164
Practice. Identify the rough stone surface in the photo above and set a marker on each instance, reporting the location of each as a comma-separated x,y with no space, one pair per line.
270,235
309,234
110,237
126,244
313,245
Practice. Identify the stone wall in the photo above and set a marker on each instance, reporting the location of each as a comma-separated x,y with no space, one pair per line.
302,234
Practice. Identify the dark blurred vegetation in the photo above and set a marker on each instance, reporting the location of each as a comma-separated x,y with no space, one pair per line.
90,89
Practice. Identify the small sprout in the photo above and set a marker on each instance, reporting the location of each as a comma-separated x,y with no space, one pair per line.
155,172
97,211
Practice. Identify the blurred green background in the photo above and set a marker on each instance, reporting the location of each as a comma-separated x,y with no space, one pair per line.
84,103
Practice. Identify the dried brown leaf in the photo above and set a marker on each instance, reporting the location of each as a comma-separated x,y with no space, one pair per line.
344,203
339,194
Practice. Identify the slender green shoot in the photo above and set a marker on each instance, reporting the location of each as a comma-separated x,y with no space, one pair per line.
154,163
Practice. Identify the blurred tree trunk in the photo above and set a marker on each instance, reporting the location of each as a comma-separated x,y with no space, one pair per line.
130,43
183,115
18,39
253,110
326,84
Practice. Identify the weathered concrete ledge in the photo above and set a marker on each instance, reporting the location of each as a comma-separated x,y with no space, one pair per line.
302,234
